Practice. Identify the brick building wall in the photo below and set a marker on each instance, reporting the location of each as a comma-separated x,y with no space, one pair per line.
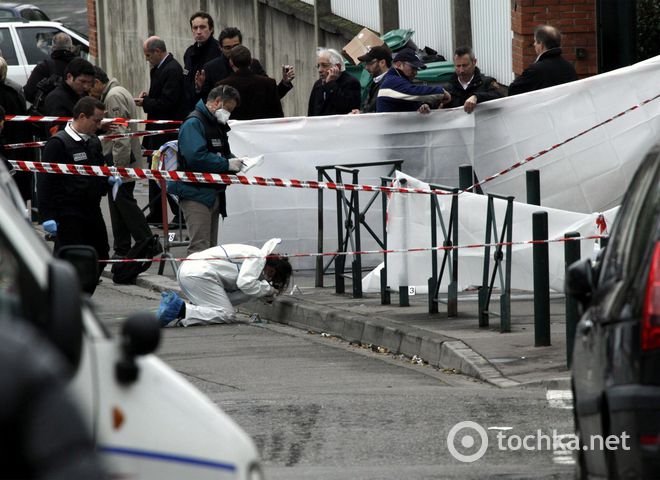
576,19
91,21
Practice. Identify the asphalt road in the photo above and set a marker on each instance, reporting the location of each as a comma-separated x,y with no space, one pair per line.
320,408
72,13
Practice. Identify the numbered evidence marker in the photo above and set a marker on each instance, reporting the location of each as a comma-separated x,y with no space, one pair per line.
411,291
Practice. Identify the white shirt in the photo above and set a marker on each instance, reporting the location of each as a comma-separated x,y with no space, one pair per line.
465,85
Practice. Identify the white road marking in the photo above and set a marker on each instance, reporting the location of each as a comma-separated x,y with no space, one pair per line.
560,398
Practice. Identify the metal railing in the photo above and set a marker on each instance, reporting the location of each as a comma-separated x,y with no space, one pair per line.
350,219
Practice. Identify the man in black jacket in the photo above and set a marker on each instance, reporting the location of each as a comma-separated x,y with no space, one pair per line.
164,101
73,202
77,81
60,57
467,85
259,98
15,132
335,92
219,68
549,69
205,49
377,61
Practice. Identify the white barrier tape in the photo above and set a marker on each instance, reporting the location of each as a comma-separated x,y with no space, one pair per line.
103,138
363,252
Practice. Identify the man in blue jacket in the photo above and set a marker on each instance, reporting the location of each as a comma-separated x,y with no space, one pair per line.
398,93
204,147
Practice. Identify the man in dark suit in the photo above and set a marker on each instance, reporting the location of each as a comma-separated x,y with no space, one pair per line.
549,69
205,49
219,68
15,132
259,98
335,92
164,101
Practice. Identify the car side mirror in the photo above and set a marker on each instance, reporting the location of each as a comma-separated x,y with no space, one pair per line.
140,335
580,281
64,325
85,261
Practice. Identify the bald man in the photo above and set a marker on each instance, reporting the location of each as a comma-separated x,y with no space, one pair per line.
164,101
549,69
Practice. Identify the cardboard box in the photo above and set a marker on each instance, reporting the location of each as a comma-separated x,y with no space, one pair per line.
361,44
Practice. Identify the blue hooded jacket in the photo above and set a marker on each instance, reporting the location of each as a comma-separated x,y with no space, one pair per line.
398,94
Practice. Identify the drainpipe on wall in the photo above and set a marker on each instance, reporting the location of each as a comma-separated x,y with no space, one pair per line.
461,20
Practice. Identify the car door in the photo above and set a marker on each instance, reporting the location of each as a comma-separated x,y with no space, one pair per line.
36,41
16,70
607,332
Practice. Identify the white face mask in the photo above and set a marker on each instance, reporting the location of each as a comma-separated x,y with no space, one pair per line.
222,115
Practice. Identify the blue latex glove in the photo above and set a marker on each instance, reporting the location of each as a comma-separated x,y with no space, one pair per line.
115,180
50,226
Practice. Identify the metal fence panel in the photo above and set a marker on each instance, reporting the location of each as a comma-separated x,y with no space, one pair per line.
491,38
431,21
362,12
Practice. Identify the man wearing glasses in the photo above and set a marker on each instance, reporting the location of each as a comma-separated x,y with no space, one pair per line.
398,93
219,68
335,92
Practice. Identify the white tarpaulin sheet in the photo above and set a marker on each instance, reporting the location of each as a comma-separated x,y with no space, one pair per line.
409,226
587,175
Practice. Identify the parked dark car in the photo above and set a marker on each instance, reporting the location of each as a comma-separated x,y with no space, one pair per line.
616,356
12,10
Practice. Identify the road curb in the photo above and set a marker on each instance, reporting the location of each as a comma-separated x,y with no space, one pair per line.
438,350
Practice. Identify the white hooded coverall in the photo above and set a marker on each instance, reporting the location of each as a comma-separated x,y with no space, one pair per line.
215,286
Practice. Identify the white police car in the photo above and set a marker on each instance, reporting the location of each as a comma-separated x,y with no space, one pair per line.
147,421
23,44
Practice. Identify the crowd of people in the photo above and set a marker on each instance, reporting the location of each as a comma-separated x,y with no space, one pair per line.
219,79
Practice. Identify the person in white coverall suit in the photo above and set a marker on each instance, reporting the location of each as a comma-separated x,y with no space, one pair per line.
219,278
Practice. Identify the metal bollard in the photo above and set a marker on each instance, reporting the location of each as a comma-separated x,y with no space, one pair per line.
541,280
465,176
571,254
533,179
384,288
404,300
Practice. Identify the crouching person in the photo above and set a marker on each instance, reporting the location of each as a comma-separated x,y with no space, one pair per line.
219,278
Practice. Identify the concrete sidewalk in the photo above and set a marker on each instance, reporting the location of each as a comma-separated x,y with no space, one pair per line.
501,359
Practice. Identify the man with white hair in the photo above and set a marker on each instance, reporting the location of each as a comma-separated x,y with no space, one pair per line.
335,92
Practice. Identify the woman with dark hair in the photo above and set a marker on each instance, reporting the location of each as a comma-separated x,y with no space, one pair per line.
218,278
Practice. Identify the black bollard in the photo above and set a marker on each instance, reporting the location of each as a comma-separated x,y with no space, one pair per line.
404,300
571,255
541,280
533,187
465,176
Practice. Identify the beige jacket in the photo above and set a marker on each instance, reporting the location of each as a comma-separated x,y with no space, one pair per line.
119,103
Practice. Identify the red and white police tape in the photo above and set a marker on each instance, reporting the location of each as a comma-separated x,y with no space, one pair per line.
119,120
362,252
197,177
554,147
104,138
